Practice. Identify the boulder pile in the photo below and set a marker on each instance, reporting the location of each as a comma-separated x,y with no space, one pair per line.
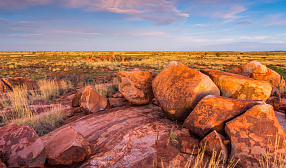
223,113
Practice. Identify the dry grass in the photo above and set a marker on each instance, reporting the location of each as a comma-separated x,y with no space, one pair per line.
274,155
17,105
43,123
107,89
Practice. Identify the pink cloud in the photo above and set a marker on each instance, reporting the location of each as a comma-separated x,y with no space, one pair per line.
159,11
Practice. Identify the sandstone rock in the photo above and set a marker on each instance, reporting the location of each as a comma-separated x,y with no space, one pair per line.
188,144
21,146
75,99
2,165
65,146
179,88
276,102
253,133
126,137
239,87
117,102
136,86
212,112
213,142
91,101
258,71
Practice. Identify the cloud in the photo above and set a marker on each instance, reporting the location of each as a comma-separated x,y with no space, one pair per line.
275,19
188,39
253,37
155,33
23,3
230,14
161,12
244,22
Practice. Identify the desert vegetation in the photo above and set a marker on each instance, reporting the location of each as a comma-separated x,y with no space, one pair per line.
129,104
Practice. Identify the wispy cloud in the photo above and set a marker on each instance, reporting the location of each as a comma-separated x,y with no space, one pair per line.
154,33
253,37
244,22
230,14
161,12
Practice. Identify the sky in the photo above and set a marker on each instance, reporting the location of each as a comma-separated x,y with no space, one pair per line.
142,25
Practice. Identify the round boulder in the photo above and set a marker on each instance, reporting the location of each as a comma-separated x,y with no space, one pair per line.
179,88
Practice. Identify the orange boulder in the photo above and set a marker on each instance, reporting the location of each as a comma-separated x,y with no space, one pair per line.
13,82
239,87
65,146
21,146
254,135
136,86
259,71
214,142
91,101
212,112
179,88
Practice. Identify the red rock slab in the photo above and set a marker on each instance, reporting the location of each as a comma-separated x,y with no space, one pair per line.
21,146
238,86
65,146
212,112
188,144
254,134
136,86
179,88
126,137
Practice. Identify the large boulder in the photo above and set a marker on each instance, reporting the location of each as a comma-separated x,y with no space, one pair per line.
214,145
91,101
258,71
212,112
254,135
65,146
238,86
136,86
20,146
179,88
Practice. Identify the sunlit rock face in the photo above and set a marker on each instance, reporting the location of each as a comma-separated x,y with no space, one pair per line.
136,86
179,88
256,134
239,87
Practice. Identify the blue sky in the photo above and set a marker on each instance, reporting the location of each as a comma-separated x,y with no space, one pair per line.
142,25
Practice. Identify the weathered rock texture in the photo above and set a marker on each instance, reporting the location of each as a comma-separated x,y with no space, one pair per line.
2,165
259,71
212,112
65,147
253,133
238,86
179,88
188,144
117,102
213,142
20,146
91,101
126,137
136,86
75,99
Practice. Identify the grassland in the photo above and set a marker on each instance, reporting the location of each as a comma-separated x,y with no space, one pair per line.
96,67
